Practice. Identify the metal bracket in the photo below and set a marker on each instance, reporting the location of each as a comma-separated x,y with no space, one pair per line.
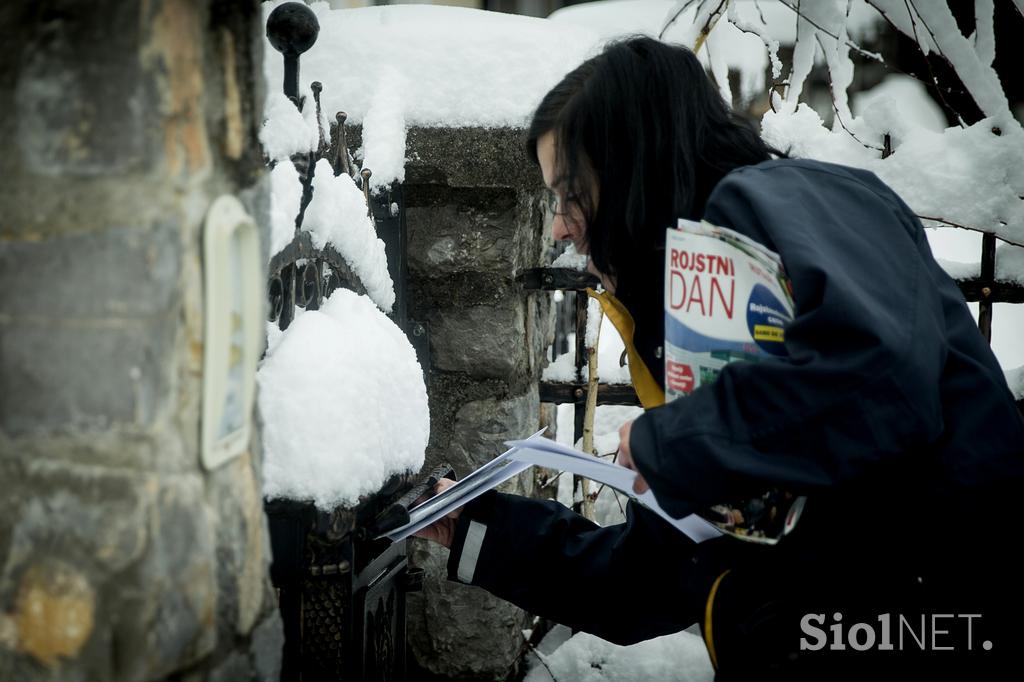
419,336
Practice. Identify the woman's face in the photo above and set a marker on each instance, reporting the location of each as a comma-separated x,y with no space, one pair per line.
569,222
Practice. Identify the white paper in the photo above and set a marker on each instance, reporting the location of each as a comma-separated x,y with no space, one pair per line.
489,476
547,453
540,451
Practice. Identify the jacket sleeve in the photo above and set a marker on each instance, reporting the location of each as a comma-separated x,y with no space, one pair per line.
860,384
624,583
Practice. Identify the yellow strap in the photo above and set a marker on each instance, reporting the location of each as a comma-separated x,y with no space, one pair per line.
647,389
708,638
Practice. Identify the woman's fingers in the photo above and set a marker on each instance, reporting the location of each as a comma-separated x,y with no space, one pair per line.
625,456
441,531
439,487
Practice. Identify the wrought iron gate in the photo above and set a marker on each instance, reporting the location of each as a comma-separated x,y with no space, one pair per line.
342,595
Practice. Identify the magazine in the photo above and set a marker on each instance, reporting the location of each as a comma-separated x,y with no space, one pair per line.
727,299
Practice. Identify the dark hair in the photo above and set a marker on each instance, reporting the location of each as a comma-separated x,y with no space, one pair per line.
645,121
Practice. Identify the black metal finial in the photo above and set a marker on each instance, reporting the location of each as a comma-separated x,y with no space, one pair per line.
317,87
340,145
365,174
292,29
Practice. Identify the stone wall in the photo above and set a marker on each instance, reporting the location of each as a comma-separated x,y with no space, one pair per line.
475,221
120,557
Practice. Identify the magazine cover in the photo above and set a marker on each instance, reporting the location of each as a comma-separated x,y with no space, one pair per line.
727,298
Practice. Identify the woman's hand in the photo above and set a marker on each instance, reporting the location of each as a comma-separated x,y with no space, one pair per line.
441,531
625,458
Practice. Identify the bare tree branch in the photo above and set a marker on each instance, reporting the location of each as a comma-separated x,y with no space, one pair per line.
861,51
706,29
911,11
839,116
685,6
757,6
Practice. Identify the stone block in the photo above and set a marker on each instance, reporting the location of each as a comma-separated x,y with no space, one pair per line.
112,273
178,573
465,157
267,643
80,116
457,631
235,668
460,236
242,550
110,569
90,375
540,331
487,341
481,428
90,514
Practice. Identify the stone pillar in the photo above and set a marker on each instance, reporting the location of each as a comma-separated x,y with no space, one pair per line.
120,557
474,221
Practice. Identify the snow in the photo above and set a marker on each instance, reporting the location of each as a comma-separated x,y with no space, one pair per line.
802,133
337,215
454,66
343,404
384,131
285,200
975,70
570,259
984,38
908,96
1010,264
967,176
587,658
958,270
1015,379
392,67
731,46
563,368
286,130
595,316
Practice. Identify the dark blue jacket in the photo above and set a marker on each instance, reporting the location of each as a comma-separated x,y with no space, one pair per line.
886,366
890,413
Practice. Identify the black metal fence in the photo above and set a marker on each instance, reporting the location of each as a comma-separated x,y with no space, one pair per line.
342,594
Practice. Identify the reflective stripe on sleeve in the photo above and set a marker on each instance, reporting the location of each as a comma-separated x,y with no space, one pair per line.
471,551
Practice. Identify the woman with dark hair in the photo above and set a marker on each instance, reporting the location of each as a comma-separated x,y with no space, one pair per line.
887,399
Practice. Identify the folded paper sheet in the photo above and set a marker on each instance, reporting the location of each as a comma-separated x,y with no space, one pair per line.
540,451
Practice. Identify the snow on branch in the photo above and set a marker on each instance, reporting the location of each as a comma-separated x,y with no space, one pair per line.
934,28
985,32
966,176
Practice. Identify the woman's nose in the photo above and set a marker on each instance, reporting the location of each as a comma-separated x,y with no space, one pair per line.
560,229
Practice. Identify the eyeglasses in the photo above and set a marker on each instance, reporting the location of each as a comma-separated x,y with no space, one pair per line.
556,205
